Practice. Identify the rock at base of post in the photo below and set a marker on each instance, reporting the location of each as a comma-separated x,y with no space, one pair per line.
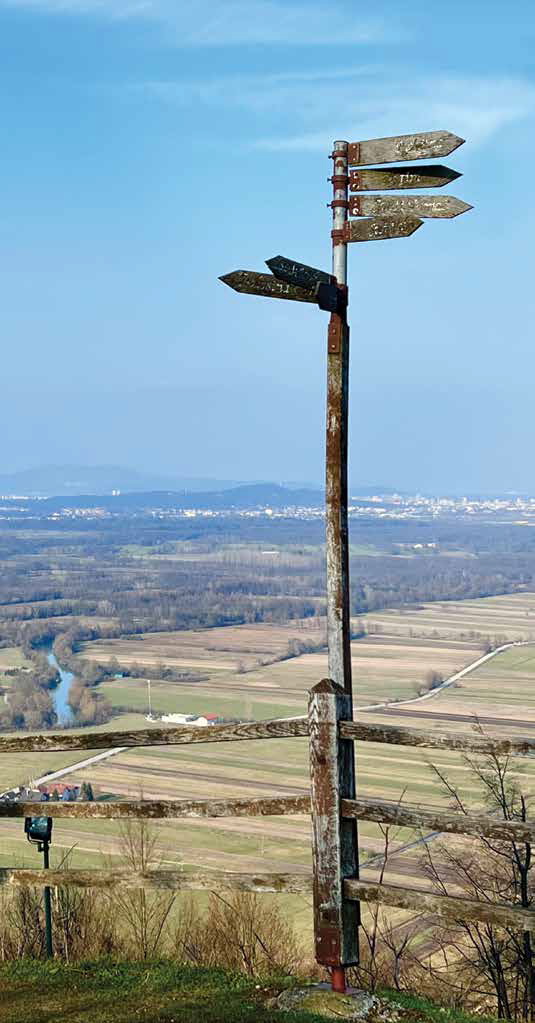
355,1005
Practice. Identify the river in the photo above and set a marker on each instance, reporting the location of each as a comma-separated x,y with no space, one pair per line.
60,694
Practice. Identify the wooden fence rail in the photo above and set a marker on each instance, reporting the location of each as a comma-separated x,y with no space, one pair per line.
429,739
274,806
334,883
448,907
453,823
64,742
278,728
171,880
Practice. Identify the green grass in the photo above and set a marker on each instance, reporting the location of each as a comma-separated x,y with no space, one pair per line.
163,992
123,992
170,698
423,1009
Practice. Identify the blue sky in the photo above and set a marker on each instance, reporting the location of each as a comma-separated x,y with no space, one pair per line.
151,145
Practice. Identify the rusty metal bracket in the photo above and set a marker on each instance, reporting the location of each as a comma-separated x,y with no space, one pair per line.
332,298
342,203
334,335
338,236
340,180
353,152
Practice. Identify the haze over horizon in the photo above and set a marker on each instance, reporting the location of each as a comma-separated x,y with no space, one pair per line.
73,480
149,152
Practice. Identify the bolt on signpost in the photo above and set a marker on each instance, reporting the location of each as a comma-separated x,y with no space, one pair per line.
335,840
38,830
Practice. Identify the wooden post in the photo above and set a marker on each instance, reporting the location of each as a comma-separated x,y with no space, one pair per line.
334,840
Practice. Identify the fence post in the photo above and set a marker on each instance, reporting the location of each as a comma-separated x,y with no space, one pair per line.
334,840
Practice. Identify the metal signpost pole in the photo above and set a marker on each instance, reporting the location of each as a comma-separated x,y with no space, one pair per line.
337,547
338,623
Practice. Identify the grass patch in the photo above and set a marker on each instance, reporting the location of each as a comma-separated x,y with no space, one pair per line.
163,992
158,992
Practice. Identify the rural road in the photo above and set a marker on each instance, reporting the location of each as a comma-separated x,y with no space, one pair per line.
453,678
426,839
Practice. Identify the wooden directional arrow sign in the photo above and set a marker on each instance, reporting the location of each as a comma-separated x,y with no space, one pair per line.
378,228
427,146
412,205
432,176
251,283
298,273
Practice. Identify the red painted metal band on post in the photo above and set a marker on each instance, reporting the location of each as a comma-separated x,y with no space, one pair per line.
338,980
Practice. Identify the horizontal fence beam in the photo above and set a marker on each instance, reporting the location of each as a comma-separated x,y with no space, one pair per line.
405,815
279,728
63,742
169,880
275,806
435,740
447,907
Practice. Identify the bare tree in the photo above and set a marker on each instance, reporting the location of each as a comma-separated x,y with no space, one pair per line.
145,914
386,950
498,959
241,931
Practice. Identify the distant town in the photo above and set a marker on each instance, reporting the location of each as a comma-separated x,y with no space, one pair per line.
243,502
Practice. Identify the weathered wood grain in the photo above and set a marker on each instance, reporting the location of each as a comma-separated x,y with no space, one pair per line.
430,739
279,728
377,229
445,906
427,145
56,742
251,283
431,176
276,806
299,274
406,205
405,815
334,841
170,880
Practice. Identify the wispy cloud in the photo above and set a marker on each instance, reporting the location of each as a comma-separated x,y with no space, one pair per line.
233,22
101,8
315,106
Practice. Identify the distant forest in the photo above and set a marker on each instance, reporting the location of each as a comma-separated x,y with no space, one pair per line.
66,581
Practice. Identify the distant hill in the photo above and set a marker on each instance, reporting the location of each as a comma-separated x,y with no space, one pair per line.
59,480
253,495
83,481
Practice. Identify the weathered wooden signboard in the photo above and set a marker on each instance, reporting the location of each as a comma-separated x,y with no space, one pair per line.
406,205
379,228
292,272
430,176
427,145
250,283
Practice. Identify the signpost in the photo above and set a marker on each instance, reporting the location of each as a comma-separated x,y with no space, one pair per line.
431,176
406,205
378,228
427,146
251,283
336,918
298,273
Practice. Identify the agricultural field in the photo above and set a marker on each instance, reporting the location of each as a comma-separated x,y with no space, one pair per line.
10,657
389,663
